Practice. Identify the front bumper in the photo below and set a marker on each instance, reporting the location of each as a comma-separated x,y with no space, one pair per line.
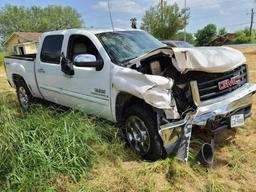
221,106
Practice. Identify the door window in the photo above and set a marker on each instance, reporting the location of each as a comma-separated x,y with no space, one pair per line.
80,44
51,49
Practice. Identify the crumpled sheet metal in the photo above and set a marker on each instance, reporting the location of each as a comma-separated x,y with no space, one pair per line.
154,90
207,59
166,50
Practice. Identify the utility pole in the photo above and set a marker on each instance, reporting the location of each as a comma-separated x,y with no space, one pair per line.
185,28
110,16
252,18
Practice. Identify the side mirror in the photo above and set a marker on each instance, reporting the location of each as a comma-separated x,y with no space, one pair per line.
66,66
88,60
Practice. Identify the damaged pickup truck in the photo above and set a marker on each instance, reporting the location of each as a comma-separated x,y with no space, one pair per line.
156,93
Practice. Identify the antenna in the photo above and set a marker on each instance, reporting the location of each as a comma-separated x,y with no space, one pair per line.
110,16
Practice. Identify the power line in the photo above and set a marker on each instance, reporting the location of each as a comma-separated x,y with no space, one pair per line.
239,24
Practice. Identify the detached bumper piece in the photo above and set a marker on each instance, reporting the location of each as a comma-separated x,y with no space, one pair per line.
213,114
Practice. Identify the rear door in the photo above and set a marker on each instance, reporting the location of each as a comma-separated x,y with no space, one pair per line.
48,69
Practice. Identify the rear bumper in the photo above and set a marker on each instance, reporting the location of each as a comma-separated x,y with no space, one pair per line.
219,107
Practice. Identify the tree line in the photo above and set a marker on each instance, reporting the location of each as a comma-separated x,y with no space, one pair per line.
167,21
37,19
164,21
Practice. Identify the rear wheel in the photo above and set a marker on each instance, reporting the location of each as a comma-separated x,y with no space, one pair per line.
25,98
141,132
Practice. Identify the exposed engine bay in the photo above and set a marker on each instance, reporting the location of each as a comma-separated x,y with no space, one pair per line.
164,79
184,65
161,65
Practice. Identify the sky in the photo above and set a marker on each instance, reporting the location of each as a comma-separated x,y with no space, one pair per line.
232,14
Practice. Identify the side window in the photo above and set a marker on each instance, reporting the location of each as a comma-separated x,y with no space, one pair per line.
51,49
80,44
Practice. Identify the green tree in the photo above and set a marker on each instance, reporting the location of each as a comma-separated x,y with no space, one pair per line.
222,31
205,35
37,19
164,21
180,37
241,38
246,31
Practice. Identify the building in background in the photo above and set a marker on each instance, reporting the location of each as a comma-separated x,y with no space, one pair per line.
22,43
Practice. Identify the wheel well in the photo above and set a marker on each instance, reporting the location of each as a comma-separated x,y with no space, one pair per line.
125,100
17,78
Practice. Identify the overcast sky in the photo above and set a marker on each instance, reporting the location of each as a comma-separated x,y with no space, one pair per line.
231,14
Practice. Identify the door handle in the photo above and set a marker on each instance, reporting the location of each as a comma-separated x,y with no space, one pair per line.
41,71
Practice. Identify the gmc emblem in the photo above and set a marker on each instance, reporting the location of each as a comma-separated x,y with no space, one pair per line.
229,82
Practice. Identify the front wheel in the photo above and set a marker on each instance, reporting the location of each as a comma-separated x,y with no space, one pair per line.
141,132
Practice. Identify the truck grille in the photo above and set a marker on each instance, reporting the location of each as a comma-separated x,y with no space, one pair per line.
212,85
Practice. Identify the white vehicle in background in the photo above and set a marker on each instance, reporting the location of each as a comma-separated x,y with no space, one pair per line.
155,92
180,44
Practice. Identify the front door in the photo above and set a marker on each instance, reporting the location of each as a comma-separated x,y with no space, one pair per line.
87,89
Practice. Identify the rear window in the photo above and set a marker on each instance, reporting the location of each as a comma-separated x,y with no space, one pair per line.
51,49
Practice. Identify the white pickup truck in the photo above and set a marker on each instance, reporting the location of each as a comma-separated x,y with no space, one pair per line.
155,92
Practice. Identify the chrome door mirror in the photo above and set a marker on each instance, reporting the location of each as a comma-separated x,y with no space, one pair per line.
84,58
88,60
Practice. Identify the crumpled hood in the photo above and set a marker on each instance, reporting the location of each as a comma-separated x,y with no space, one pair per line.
207,59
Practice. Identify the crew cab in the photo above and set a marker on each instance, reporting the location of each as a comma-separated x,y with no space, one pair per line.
156,93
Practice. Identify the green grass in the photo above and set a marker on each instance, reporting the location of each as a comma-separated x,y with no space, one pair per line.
1,58
46,144
49,149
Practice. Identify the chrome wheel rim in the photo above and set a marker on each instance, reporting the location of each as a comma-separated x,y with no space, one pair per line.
23,97
137,135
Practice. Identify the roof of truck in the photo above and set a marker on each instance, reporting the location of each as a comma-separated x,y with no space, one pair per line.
92,30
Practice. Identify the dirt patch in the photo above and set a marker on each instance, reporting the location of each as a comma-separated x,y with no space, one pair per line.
250,54
3,75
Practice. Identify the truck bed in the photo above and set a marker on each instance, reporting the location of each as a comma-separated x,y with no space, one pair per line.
23,66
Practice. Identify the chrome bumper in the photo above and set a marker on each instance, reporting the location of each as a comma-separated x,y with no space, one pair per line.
221,106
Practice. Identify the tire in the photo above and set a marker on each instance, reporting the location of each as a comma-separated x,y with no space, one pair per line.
24,96
140,129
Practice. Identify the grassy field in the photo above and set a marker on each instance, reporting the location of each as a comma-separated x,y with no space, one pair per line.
1,58
51,149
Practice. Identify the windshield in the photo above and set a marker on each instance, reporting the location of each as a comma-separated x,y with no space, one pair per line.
123,46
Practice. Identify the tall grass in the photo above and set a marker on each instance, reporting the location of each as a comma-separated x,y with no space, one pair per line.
39,147
1,58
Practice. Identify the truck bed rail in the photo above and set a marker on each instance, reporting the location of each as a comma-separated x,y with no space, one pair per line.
26,57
